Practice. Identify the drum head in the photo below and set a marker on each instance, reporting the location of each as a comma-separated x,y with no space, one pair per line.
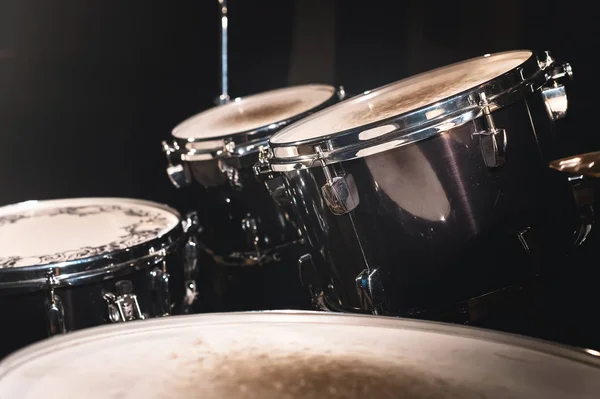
254,112
295,355
402,97
37,233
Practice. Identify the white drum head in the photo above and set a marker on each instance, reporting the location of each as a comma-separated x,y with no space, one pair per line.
41,232
294,355
402,97
254,112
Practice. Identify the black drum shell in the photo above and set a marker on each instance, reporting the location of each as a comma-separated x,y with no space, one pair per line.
229,279
24,317
222,207
472,250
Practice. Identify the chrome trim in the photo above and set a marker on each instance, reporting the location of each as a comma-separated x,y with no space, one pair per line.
123,306
55,313
95,268
417,125
224,97
240,143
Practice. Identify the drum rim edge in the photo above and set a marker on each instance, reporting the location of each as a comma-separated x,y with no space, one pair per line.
413,126
17,359
93,268
245,141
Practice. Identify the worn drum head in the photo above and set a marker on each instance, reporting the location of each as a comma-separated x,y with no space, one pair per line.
37,233
403,96
257,111
295,355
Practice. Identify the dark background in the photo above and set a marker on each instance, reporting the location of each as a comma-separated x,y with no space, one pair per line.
88,89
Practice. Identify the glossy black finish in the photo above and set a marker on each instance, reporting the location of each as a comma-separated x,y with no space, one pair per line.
268,286
438,225
222,207
23,315
230,277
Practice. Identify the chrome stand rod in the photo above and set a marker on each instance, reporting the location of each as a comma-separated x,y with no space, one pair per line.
224,97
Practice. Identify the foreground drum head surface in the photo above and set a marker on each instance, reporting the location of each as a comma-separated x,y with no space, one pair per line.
295,355
402,97
42,232
254,112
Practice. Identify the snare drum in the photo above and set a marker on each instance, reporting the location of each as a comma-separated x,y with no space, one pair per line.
68,264
297,355
244,234
431,190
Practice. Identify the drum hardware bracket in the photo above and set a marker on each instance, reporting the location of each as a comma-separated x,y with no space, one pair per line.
230,172
492,141
55,315
554,94
264,154
190,262
370,290
309,279
584,198
527,238
276,184
159,285
178,172
249,259
124,305
340,192
250,227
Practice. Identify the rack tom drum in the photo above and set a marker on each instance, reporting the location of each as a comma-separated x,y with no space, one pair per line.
251,245
432,191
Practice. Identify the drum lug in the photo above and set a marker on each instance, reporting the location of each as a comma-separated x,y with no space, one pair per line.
124,305
276,185
232,174
584,199
370,290
341,93
190,261
178,173
263,166
492,141
250,227
159,287
309,278
340,192
191,224
55,315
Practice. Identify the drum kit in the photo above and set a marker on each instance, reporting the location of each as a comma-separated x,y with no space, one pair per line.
338,243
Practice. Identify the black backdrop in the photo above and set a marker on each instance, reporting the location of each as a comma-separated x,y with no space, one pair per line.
88,89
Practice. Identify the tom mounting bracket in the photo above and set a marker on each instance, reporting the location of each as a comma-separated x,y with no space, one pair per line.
554,93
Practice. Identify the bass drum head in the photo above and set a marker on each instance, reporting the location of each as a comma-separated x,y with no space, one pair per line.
296,355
